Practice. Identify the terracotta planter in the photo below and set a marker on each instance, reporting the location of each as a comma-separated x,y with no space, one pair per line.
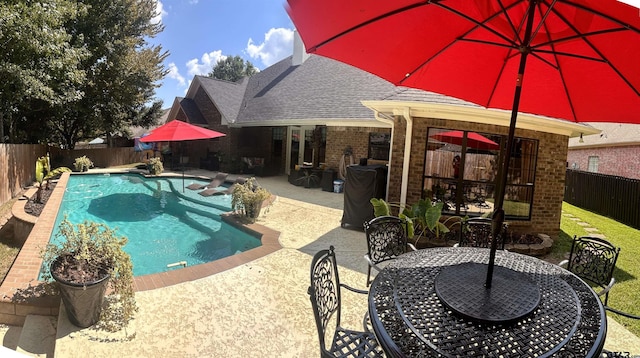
83,302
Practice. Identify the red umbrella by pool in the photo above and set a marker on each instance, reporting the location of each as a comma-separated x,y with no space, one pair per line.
179,131
570,59
474,140
176,131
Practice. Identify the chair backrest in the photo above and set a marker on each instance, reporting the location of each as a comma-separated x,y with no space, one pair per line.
324,292
477,232
593,259
386,238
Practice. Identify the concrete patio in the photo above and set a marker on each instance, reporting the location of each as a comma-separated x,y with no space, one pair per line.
257,309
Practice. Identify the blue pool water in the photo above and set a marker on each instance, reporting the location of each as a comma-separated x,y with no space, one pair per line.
163,224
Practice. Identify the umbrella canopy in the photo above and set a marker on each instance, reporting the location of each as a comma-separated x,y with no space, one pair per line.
176,131
474,140
179,131
570,59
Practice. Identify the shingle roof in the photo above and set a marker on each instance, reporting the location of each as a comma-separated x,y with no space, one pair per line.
227,96
191,110
416,95
320,88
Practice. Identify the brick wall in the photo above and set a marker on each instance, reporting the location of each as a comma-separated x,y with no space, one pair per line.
622,161
338,138
550,170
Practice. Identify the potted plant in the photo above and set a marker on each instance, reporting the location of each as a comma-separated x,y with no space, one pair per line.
85,260
155,166
82,164
247,199
44,173
308,179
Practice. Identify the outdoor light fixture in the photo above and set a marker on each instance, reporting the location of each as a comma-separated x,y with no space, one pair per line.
581,140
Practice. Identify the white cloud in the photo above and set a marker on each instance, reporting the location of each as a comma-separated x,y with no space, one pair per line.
635,3
174,73
160,13
278,44
195,67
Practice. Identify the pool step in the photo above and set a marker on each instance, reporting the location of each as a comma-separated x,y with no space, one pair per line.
38,336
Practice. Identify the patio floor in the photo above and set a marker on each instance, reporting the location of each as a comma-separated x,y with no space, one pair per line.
257,309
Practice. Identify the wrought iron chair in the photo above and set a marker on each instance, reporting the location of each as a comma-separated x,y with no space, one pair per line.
593,260
386,240
325,300
477,232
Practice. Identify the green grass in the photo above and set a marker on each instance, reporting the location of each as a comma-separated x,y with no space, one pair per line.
8,248
625,294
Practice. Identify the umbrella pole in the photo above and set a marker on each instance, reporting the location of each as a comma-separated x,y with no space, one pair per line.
182,164
498,213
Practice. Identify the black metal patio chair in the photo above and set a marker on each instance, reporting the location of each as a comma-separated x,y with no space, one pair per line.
477,232
386,239
325,299
593,260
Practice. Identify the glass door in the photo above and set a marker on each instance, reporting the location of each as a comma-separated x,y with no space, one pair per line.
300,148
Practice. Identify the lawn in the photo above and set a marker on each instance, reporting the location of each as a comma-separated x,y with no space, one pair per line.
8,248
625,294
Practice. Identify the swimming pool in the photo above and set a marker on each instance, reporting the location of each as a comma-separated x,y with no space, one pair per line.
164,225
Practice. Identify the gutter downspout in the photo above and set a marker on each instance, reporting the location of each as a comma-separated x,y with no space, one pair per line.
381,117
407,156
407,150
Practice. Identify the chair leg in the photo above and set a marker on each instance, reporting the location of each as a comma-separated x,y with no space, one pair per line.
368,275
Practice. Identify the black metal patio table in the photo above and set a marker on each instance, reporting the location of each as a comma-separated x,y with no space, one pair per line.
421,305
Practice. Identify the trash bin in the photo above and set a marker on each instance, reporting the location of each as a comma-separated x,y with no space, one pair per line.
338,186
328,176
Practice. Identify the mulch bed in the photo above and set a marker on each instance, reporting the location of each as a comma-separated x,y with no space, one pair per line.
34,208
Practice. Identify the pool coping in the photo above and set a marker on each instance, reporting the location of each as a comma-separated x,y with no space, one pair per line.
21,292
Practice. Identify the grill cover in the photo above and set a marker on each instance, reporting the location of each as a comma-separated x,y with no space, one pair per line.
362,183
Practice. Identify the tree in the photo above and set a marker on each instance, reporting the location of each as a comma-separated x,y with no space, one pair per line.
123,71
38,65
77,69
232,69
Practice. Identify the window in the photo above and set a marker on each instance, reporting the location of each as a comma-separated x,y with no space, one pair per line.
379,145
593,164
462,168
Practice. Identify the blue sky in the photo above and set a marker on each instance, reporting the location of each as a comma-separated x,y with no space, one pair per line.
199,32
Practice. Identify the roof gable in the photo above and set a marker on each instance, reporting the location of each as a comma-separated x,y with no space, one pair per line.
226,96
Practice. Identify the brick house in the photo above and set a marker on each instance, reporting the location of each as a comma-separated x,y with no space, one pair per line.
615,150
276,114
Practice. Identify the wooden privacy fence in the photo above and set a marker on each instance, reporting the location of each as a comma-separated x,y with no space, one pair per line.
101,157
17,163
17,167
609,195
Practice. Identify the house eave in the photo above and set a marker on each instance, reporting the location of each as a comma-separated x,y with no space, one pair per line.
335,122
480,114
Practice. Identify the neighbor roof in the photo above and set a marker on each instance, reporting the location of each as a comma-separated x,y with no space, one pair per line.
611,135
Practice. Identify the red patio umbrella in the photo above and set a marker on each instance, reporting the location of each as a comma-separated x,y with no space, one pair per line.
570,59
179,131
474,140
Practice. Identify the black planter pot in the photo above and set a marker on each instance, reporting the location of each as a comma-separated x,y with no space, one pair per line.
83,302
